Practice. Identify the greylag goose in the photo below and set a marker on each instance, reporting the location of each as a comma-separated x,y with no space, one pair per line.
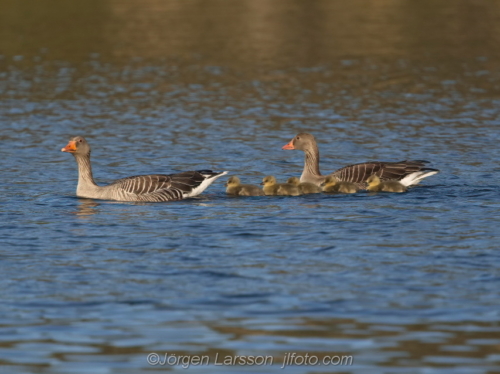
234,187
332,184
376,185
407,172
305,187
272,188
149,188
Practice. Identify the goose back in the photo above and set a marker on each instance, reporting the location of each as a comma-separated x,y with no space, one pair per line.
358,173
156,187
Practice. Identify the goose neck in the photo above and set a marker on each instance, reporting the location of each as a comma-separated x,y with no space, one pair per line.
85,178
311,161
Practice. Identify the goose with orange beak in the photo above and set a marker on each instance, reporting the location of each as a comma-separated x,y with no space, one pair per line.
147,188
408,173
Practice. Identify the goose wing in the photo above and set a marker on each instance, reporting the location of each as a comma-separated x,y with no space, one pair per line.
359,173
161,187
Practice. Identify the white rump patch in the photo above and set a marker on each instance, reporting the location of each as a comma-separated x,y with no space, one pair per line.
415,178
209,179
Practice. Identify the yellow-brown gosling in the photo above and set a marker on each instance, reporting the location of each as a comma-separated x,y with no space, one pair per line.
272,188
304,187
332,184
287,189
234,187
376,185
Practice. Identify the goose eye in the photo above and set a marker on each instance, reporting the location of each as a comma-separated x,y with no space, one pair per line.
81,140
298,137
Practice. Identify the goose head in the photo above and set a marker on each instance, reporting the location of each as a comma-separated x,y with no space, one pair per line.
301,141
268,181
77,145
233,182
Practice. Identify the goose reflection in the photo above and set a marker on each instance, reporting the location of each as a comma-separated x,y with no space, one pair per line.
86,207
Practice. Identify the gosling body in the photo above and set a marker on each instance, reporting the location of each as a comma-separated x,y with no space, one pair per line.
304,187
234,187
272,188
287,189
333,185
376,185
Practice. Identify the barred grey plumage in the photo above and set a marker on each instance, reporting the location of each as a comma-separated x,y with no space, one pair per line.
409,172
147,188
359,173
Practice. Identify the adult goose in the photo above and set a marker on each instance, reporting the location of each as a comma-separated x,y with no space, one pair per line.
407,172
149,188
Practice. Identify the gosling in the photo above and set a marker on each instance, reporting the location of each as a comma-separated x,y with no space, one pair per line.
234,187
304,187
376,185
272,188
332,184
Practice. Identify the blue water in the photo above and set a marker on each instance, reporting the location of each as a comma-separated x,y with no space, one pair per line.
403,283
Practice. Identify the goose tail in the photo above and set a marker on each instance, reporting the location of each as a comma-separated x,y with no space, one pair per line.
415,177
209,178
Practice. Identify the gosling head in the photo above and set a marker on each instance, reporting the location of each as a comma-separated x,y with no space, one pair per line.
293,180
268,181
373,180
233,182
77,146
330,181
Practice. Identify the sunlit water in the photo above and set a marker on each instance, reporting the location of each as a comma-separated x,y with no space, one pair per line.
403,283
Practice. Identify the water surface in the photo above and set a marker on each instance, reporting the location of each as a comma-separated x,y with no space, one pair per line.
403,283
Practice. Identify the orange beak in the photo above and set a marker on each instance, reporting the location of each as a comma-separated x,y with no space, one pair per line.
71,147
289,145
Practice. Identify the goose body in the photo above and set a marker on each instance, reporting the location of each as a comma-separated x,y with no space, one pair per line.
147,188
234,187
272,188
304,187
332,184
408,172
376,185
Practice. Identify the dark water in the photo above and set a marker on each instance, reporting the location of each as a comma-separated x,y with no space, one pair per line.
402,283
